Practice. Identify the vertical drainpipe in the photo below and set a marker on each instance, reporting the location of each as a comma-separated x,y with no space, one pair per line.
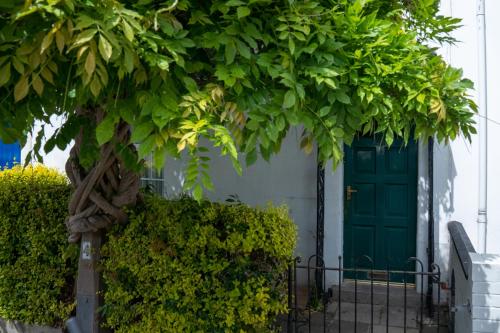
320,225
482,218
430,230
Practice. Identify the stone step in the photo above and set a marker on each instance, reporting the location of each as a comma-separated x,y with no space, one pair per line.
362,294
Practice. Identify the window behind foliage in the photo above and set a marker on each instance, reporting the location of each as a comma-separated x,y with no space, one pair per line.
152,180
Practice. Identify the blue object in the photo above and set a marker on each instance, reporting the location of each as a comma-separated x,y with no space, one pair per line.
10,154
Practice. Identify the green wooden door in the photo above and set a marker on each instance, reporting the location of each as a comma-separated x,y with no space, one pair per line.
380,212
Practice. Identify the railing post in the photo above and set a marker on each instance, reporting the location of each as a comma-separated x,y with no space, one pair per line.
320,226
290,299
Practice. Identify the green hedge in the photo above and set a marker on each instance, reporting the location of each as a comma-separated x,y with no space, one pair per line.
180,266
37,266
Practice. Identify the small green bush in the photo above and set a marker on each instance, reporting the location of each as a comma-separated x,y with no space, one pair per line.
181,266
37,266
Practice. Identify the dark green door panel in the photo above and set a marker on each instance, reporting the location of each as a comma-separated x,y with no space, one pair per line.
380,216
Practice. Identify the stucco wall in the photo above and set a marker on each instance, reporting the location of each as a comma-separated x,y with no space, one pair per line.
289,178
485,301
456,164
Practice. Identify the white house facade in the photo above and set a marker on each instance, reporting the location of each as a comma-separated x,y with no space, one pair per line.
411,182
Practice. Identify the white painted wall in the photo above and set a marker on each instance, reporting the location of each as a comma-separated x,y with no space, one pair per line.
456,164
485,302
477,299
289,178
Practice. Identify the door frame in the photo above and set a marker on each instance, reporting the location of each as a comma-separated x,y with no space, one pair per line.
334,214
412,180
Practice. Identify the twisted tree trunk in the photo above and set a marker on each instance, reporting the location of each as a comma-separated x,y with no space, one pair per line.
99,196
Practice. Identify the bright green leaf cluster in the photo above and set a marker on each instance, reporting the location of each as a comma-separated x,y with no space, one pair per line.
37,266
184,266
239,73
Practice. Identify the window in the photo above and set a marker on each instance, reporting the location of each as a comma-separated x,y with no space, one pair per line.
152,180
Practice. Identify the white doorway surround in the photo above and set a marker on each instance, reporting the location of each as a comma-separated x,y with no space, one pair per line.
334,213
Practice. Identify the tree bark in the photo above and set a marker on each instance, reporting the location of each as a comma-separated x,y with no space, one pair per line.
99,196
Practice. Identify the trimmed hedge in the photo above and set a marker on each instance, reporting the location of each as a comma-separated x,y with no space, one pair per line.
181,266
37,266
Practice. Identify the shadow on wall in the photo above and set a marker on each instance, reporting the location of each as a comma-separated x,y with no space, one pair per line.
445,173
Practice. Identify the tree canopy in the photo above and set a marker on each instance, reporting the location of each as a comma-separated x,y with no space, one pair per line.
239,73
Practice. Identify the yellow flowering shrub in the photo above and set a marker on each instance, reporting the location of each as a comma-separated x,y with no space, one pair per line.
184,266
37,266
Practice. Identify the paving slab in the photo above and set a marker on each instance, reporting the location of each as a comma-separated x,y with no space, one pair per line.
383,329
333,327
360,313
397,317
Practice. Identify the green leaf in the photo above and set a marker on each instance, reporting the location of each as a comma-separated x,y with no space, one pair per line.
21,89
90,63
37,84
343,97
105,48
60,41
84,37
338,132
18,65
142,131
207,182
95,86
146,147
251,157
237,165
47,40
421,98
389,137
127,31
159,157
243,50
289,99
190,84
47,75
128,60
230,53
291,46
106,130
233,3
5,74
243,12
198,192
163,63
324,111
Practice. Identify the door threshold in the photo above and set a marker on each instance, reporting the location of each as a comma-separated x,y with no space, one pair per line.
381,283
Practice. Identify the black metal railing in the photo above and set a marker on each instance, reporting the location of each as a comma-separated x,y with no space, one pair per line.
309,304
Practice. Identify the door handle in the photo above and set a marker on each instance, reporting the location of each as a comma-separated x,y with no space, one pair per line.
349,192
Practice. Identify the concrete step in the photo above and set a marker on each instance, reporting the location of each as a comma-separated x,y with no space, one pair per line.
362,294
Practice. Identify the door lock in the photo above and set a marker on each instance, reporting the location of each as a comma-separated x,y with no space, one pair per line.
349,192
